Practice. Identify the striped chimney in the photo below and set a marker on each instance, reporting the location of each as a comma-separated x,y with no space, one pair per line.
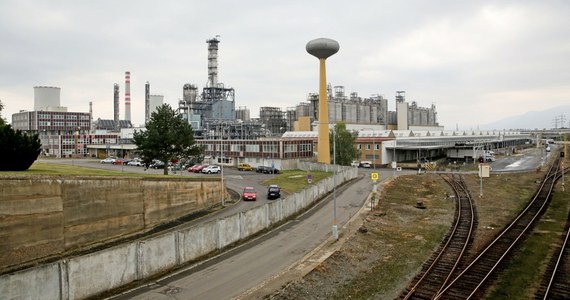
127,95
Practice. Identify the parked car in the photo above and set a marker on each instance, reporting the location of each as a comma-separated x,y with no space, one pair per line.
260,169
273,192
365,164
136,163
249,193
120,161
199,168
193,167
355,163
244,167
109,160
213,169
157,164
270,170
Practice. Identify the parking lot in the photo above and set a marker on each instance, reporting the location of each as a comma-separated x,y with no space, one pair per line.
233,179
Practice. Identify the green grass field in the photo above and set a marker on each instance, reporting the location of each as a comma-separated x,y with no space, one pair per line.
46,168
295,180
290,181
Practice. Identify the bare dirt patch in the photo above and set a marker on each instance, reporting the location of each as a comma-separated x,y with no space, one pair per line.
377,263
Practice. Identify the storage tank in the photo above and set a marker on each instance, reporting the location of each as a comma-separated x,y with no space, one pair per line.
46,96
190,93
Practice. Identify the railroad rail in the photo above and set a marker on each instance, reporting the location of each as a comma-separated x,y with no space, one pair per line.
556,280
437,271
475,278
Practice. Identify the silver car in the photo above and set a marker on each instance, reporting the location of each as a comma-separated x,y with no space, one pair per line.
212,169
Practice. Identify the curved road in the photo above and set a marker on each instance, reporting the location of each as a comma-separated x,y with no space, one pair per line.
235,272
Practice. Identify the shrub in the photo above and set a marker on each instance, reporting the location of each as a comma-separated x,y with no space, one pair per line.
18,150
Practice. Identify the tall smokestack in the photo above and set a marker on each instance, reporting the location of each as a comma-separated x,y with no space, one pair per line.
127,95
146,102
90,116
213,61
116,102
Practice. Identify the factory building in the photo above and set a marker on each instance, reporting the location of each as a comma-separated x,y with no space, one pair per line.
47,98
273,119
350,109
371,112
62,133
103,126
216,102
242,113
412,116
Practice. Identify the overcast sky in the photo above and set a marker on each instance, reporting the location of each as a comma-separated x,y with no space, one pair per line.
477,61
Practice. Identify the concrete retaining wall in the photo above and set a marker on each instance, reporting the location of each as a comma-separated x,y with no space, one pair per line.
190,248
229,230
101,271
41,282
275,212
158,254
92,274
254,220
42,216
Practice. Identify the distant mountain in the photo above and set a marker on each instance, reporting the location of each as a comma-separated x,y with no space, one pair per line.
543,119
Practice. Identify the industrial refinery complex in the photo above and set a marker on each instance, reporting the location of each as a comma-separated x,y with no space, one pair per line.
277,137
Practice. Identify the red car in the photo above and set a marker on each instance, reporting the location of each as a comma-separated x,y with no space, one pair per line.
119,161
199,168
249,194
196,168
192,168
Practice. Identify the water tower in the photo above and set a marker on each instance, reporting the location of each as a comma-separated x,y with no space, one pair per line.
322,48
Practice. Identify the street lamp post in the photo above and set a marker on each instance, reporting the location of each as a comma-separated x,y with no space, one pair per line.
373,150
334,226
373,147
75,151
222,164
394,163
222,182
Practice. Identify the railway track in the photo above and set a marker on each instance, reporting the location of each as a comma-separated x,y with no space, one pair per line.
556,280
476,277
438,271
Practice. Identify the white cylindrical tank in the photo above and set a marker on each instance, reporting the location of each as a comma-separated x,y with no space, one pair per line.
154,102
46,96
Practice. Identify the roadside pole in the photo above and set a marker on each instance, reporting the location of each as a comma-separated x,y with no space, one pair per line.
484,170
374,177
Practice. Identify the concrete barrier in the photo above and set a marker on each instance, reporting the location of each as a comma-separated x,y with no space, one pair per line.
198,241
289,206
254,220
92,274
158,254
229,230
42,282
275,211
101,271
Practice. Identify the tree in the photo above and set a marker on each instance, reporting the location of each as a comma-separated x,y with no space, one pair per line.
18,149
1,108
167,137
345,141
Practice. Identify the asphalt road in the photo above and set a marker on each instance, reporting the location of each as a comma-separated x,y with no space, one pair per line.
236,271
529,159
243,268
